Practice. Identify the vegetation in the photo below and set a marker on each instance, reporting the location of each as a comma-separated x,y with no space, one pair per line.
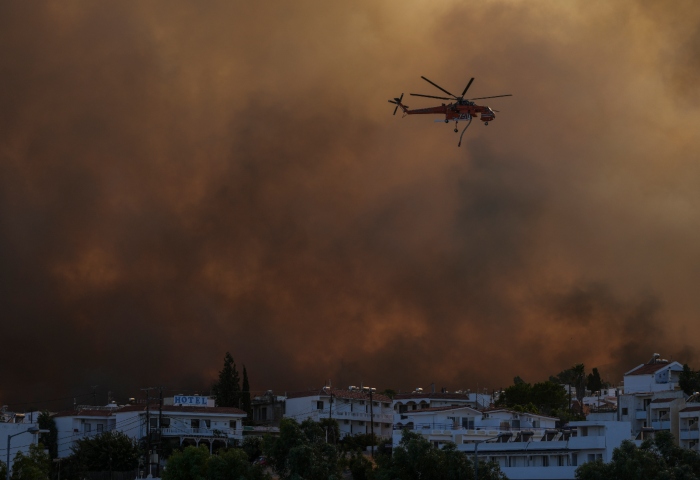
657,459
34,466
544,397
689,380
196,463
245,394
228,389
110,451
50,440
301,452
415,458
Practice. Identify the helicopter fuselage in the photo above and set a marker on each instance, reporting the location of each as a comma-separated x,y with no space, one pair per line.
456,111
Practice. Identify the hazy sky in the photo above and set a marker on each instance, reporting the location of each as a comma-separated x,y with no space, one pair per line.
179,179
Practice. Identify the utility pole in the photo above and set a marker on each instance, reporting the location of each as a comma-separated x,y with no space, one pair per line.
371,416
148,429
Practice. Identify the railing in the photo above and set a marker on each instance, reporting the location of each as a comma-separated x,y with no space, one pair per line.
362,416
202,432
477,430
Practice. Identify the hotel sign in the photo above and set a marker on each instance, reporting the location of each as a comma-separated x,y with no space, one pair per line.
190,400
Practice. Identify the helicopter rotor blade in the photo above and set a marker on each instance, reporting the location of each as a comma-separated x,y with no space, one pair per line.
467,87
438,86
397,107
494,96
430,96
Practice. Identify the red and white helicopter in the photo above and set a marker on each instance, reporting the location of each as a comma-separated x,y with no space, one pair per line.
460,109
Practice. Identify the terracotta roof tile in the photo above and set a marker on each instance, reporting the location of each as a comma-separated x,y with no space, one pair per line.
648,369
437,409
664,400
154,408
449,396
691,409
337,393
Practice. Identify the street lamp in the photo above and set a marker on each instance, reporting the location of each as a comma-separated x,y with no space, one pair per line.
476,451
33,431
371,414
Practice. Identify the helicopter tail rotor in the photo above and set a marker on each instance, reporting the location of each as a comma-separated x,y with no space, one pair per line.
397,102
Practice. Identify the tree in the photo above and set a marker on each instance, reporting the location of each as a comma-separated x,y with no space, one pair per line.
549,397
689,380
189,464
657,459
233,464
253,447
35,466
228,388
579,371
518,394
389,392
301,451
594,382
46,422
110,451
415,458
245,394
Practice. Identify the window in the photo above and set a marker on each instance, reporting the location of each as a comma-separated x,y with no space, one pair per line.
154,422
87,428
165,422
207,422
574,460
346,422
468,423
624,411
194,423
591,457
100,428
403,408
319,405
545,461
361,423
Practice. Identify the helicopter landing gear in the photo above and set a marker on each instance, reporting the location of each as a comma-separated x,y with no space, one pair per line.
456,130
447,121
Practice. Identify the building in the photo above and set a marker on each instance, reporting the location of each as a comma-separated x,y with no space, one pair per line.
268,409
555,454
461,424
352,409
176,422
655,376
407,402
652,397
17,425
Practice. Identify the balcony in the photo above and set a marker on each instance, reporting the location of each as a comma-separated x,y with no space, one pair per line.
359,416
690,434
661,425
580,443
202,432
640,415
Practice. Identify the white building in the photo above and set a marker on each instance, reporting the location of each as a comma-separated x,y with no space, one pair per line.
689,419
652,397
655,376
184,424
464,424
407,402
351,408
21,441
555,455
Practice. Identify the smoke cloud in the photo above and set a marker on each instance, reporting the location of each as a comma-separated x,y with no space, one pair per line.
180,179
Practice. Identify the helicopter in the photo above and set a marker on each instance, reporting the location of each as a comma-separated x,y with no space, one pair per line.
460,109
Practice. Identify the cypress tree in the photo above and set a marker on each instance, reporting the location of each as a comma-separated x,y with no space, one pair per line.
245,393
228,388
